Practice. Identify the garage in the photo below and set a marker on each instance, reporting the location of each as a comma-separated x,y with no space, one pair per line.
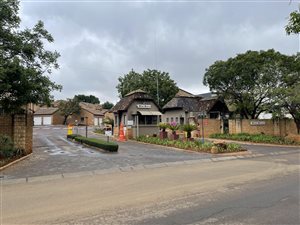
43,116
37,120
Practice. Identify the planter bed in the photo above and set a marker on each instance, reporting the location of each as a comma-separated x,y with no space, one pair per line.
197,146
256,138
6,162
94,142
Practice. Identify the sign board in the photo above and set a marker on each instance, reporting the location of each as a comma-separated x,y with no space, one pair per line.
257,123
143,106
205,122
129,122
108,133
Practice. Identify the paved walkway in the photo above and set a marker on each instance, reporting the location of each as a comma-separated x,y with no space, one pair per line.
55,155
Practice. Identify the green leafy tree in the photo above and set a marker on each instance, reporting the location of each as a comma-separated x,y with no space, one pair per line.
148,81
69,107
24,62
246,81
128,83
87,98
287,94
107,105
293,26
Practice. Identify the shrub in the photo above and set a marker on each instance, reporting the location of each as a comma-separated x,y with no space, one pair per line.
233,147
72,136
7,149
257,138
163,126
173,126
188,128
108,146
99,131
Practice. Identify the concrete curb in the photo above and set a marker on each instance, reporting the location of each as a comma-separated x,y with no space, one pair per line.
129,169
14,162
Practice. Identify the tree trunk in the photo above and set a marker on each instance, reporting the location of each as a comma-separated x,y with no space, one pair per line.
65,120
297,125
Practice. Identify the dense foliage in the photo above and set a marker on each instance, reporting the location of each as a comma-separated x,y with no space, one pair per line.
87,98
149,81
107,105
246,81
293,26
24,62
258,138
7,149
68,107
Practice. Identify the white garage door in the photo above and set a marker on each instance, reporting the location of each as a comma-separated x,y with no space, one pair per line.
96,121
47,120
37,120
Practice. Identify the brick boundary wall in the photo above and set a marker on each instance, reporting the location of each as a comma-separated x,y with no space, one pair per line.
281,127
19,128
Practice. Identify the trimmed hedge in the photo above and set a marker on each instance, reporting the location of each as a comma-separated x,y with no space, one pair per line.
257,138
108,146
72,136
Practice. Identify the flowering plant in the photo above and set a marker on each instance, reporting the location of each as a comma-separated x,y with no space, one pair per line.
173,126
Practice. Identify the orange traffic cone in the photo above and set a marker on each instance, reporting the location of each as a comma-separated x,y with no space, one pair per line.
121,133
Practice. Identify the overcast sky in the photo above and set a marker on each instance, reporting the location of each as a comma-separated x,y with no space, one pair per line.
102,40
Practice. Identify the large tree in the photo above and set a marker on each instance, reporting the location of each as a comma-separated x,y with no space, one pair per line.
158,84
293,26
107,105
287,93
246,81
87,98
24,62
69,107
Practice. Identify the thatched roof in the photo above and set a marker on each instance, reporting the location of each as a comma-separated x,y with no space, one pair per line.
183,93
191,104
125,102
46,111
95,109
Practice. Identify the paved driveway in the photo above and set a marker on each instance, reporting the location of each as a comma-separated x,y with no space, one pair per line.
54,154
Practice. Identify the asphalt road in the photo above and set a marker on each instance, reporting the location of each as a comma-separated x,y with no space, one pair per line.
262,190
53,154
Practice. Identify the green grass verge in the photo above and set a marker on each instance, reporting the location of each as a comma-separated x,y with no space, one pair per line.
257,138
108,146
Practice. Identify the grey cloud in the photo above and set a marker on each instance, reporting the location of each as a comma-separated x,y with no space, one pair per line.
101,41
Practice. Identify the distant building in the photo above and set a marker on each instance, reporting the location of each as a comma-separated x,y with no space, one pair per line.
139,114
186,106
90,114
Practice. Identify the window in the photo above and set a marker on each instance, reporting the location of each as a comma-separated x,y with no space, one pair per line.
82,119
214,115
176,119
172,119
147,120
167,120
116,121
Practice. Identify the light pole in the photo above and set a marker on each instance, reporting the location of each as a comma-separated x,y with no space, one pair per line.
86,127
202,115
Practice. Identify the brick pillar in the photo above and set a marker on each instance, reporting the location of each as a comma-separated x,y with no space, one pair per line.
277,130
238,126
22,136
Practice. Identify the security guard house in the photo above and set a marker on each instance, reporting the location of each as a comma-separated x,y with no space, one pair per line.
138,113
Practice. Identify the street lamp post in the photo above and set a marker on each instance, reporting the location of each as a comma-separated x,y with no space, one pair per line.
202,115
86,127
